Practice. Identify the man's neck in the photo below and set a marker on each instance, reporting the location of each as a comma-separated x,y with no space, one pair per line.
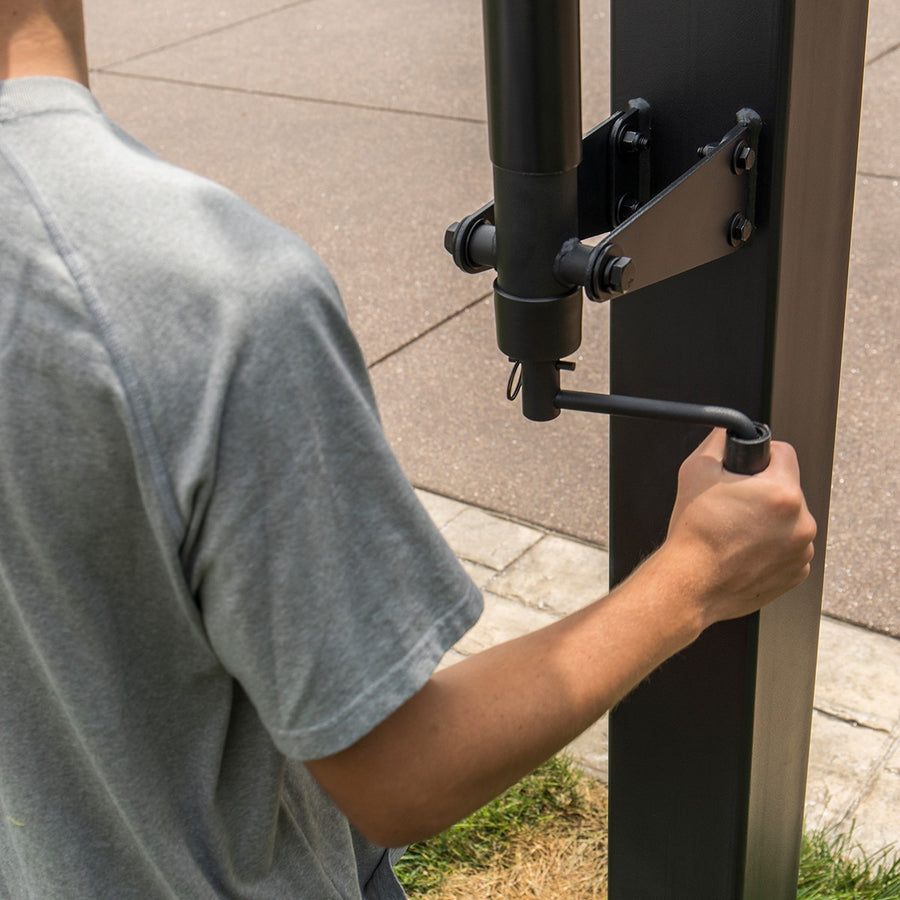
42,37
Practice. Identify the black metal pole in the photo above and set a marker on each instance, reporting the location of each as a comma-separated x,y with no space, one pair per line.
533,69
708,758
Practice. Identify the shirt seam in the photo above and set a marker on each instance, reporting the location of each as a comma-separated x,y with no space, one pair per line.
119,363
13,114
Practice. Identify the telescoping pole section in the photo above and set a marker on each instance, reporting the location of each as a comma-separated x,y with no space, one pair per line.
533,69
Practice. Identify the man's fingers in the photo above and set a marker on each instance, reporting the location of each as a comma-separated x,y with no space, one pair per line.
713,444
784,460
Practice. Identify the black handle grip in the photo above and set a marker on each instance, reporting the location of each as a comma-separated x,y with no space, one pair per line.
748,456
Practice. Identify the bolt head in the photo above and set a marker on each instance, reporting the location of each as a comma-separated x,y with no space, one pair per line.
627,206
744,157
620,274
740,230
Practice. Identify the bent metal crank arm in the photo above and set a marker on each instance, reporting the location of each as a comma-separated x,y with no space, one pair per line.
747,444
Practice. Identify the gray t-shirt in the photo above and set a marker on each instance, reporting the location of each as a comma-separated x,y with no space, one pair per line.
211,566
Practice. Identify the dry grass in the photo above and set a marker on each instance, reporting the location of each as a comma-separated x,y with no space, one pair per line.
566,857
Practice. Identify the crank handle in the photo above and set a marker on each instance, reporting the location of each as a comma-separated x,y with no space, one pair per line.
748,456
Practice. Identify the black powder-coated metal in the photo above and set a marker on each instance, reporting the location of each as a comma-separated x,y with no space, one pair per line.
533,70
708,757
533,84
747,443
688,223
749,456
663,410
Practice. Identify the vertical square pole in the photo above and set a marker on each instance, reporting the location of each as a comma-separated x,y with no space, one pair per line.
708,757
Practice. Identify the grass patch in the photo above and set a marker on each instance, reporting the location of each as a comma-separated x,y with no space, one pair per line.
518,845
830,870
546,837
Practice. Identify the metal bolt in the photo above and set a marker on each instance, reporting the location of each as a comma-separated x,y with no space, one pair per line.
627,206
450,237
634,142
739,230
744,158
619,274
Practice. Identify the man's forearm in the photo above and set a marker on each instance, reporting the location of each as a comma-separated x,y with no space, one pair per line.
480,725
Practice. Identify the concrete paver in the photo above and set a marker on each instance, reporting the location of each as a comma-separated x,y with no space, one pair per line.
556,574
863,555
488,540
883,33
858,677
843,762
480,574
875,819
441,509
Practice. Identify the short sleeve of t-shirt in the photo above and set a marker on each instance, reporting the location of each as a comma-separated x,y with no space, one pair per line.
325,588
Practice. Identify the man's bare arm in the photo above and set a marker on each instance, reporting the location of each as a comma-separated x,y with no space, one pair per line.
734,544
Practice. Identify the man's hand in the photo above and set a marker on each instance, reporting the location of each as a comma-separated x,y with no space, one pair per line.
745,540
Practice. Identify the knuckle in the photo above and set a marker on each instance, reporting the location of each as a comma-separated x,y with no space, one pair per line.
787,501
812,529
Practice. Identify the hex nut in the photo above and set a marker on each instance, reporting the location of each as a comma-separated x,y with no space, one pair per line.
450,237
739,230
634,142
619,274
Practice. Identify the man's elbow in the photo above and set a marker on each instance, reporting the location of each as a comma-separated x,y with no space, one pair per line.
388,816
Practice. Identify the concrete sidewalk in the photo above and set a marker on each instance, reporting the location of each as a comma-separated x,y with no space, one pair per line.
531,577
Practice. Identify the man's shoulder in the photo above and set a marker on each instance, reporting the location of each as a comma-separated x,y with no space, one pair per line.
180,257
185,292
141,224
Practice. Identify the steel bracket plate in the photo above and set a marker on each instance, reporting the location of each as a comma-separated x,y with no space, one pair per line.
705,214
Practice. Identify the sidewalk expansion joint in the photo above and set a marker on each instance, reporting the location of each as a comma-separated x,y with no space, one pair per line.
881,176
280,95
426,332
199,36
849,720
882,55
869,785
